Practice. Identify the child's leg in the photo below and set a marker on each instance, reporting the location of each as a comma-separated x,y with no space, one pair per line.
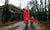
31,24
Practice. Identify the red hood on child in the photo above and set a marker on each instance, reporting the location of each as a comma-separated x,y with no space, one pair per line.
32,17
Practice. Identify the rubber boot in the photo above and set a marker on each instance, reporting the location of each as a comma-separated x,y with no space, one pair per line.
26,25
31,25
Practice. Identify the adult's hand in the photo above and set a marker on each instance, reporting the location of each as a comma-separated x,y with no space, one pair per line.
24,17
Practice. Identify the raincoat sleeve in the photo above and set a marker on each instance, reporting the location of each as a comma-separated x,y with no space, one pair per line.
29,15
24,14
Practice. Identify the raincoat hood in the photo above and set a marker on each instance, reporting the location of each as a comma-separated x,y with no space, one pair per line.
32,17
28,9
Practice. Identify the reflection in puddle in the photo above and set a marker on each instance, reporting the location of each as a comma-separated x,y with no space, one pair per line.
30,28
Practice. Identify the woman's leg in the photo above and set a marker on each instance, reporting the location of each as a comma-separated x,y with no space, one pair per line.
26,25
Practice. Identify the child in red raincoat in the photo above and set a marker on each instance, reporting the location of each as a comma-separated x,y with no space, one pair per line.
31,21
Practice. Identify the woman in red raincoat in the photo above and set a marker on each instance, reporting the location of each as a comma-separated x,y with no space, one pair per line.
26,16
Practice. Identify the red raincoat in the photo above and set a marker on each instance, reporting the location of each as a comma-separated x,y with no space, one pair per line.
31,20
26,15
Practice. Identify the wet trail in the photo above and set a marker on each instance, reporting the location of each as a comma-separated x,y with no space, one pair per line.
21,26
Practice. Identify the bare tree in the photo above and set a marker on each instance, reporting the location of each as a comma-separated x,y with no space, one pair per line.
45,5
